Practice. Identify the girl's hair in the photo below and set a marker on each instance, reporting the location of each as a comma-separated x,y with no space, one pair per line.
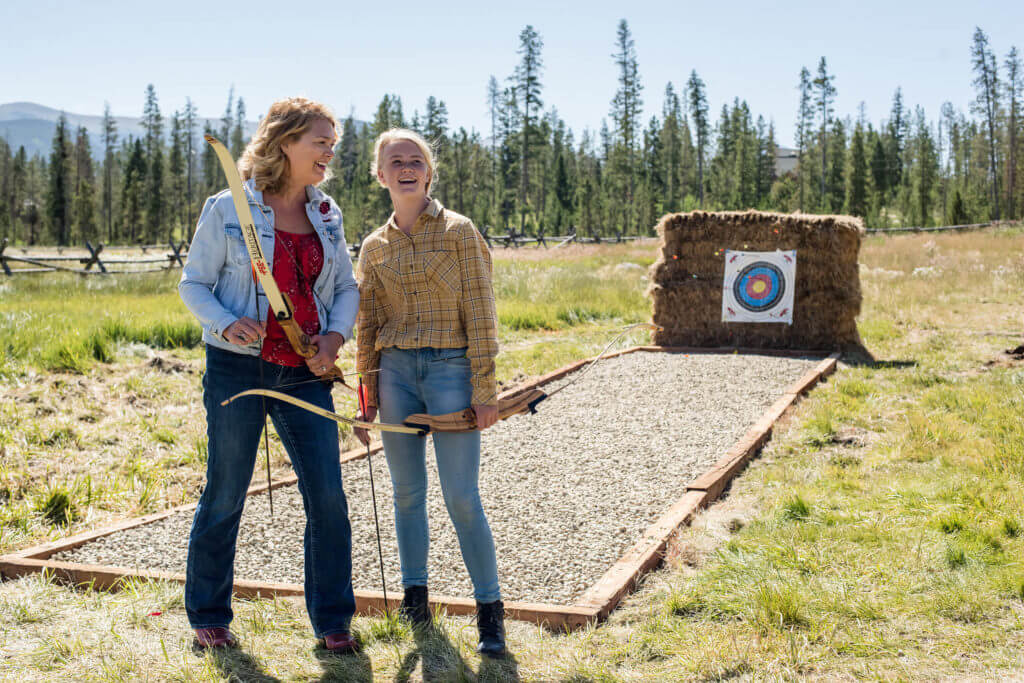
263,159
396,134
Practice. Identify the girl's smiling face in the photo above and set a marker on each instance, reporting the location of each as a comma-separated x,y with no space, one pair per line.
309,156
403,169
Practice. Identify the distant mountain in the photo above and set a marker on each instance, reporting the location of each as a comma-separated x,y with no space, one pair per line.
33,125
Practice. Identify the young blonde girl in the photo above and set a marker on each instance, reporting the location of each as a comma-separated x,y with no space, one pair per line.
427,322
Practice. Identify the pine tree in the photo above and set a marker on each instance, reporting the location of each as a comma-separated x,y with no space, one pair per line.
857,178
1014,92
132,192
494,109
825,95
986,103
766,151
435,129
59,197
671,138
347,159
109,137
699,113
804,123
238,130
925,170
83,205
189,122
156,202
527,85
897,133
625,113
228,117
6,212
16,200
212,181
837,166
176,176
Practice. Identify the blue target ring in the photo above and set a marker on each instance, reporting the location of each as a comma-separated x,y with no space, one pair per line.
759,286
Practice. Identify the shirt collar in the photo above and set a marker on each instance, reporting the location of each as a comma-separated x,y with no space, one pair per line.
433,210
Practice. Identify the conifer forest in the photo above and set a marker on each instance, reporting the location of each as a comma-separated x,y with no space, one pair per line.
658,150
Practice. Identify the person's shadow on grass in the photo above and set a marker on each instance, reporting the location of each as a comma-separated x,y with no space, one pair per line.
238,665
440,661
354,666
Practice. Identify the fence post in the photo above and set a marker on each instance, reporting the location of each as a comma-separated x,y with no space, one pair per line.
176,254
486,236
3,260
94,257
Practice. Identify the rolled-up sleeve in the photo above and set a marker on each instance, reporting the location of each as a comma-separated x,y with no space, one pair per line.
346,292
478,312
206,256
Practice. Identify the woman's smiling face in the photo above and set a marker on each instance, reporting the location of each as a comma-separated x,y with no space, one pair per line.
403,169
309,155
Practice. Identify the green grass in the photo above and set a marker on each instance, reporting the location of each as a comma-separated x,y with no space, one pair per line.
550,295
89,319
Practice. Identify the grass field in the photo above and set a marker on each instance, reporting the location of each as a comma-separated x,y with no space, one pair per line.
880,535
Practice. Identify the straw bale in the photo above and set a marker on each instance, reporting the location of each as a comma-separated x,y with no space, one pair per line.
686,280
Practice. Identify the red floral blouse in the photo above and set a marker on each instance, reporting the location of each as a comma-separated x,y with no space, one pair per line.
298,260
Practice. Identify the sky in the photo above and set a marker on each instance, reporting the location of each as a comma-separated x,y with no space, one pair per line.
76,56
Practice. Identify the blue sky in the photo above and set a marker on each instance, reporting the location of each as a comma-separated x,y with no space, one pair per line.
77,55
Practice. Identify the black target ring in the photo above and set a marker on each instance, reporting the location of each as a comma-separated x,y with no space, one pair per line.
759,286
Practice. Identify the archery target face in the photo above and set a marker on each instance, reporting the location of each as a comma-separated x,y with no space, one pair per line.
758,286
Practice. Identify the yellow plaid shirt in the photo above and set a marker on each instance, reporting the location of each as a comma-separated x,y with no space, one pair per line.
430,288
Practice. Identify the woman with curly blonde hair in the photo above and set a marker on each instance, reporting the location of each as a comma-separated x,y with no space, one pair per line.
300,230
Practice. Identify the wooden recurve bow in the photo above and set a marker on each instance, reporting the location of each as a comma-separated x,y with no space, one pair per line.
527,401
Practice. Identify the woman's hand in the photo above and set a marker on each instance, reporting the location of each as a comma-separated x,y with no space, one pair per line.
369,416
245,331
485,416
327,352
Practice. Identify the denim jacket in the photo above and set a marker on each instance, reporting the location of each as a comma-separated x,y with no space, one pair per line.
217,283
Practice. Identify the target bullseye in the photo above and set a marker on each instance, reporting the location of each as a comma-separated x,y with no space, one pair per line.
759,286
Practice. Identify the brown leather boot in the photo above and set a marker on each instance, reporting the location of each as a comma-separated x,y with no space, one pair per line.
341,643
215,636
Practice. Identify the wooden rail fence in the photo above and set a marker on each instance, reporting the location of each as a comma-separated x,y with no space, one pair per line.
943,228
84,264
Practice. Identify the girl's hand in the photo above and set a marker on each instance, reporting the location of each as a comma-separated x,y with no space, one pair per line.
245,331
327,345
485,416
369,416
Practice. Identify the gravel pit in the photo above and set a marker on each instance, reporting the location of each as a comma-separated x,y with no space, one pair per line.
567,491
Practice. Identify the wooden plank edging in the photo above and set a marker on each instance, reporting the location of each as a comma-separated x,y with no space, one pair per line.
555,617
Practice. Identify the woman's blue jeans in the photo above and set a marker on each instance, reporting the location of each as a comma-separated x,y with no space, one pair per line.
435,381
312,443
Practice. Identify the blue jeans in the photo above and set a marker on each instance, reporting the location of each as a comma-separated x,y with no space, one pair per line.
435,381
312,444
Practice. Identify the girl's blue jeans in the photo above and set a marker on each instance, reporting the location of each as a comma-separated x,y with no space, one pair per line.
312,443
435,381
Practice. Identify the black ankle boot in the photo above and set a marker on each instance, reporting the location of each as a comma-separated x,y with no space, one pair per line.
490,622
415,607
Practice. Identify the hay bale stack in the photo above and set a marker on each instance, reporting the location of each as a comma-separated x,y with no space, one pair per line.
687,290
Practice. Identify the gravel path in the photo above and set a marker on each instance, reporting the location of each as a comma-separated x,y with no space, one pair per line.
566,491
